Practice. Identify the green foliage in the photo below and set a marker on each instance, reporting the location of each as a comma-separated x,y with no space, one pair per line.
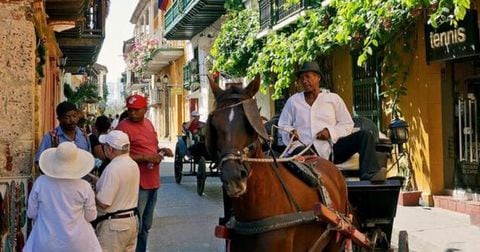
85,92
234,5
105,92
364,25
40,53
441,11
395,70
236,46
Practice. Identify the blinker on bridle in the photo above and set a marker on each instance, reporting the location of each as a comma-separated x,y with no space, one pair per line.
235,155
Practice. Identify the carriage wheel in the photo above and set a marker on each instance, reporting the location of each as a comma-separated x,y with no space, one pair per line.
201,176
178,164
403,241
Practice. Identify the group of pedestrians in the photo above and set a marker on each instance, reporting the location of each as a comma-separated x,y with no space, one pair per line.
115,214
63,205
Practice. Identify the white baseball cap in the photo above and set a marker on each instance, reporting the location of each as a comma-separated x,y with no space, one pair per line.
116,139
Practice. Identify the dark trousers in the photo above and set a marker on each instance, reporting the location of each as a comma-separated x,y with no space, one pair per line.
362,142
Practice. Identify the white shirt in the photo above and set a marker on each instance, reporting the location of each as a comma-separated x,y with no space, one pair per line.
62,210
327,111
118,185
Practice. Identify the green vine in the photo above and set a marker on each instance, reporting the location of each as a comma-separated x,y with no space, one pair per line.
234,5
363,25
236,45
41,54
395,72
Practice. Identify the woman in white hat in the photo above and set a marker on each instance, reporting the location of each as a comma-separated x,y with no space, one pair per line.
61,203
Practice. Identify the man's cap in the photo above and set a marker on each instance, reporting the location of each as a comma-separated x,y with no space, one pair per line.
116,139
195,113
311,66
136,102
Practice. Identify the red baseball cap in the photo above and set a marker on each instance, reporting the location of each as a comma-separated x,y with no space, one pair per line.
136,102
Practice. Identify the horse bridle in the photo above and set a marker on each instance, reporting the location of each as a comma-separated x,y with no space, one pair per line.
236,154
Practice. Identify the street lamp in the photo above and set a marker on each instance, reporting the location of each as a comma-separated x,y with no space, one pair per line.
398,133
165,80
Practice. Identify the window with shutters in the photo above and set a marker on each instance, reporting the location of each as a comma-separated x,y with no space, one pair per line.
366,88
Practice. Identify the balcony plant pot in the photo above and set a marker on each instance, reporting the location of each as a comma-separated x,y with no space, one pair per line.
409,198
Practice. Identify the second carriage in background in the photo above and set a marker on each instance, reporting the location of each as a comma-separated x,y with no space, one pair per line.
191,156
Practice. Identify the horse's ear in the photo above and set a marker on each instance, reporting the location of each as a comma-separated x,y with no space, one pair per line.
253,86
214,86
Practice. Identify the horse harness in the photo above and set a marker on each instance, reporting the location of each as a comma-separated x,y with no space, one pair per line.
307,174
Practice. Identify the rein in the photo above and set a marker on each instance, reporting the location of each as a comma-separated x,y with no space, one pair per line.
274,222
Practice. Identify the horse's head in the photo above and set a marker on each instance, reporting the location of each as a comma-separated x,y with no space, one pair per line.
232,133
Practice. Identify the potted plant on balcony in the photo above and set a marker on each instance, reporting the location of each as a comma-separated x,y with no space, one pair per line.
141,53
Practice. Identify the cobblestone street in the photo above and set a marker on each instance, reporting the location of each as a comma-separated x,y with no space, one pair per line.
183,220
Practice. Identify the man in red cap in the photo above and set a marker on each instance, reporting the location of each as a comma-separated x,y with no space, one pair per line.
144,150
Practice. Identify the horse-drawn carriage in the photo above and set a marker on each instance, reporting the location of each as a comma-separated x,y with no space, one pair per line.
272,207
192,159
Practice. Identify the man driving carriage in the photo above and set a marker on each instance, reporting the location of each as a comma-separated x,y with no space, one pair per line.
193,145
319,117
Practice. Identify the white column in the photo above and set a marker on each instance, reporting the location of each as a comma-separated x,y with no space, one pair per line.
151,12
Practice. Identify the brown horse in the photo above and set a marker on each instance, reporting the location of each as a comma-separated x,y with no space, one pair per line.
262,191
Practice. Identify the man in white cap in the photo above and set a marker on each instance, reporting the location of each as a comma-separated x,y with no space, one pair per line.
117,195
194,125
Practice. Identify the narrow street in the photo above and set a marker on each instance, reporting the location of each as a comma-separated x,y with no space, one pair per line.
183,220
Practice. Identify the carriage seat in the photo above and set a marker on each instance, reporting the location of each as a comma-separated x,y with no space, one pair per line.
192,139
351,167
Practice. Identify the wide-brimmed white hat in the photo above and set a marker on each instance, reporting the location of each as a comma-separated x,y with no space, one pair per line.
66,161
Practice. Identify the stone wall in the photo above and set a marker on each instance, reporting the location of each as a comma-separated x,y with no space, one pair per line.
17,85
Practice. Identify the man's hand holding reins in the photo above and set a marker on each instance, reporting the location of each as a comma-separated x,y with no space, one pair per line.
324,134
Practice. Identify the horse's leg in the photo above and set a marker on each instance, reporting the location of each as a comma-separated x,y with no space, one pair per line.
279,240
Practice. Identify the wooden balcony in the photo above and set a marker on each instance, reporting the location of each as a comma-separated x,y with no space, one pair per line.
81,44
185,18
71,10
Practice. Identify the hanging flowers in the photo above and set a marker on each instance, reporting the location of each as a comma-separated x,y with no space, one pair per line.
141,53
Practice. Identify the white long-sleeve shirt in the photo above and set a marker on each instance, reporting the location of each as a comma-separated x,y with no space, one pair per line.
327,111
62,210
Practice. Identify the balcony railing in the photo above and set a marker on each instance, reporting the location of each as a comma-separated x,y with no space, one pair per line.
273,12
91,25
186,18
178,8
81,44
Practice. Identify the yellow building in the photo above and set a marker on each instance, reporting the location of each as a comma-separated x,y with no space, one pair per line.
155,69
440,107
